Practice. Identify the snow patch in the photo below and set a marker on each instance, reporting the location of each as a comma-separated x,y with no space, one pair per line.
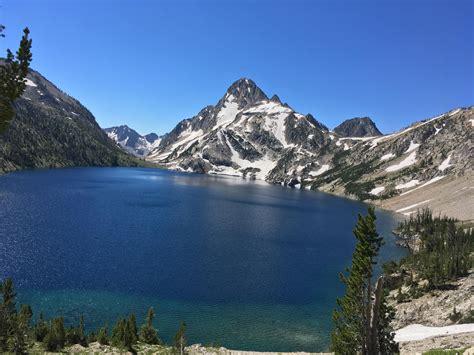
228,112
414,332
387,156
412,147
445,164
407,185
320,171
377,190
28,82
410,160
412,206
454,112
433,180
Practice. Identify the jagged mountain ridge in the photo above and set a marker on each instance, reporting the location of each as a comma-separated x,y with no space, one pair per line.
243,134
52,129
133,142
247,134
358,127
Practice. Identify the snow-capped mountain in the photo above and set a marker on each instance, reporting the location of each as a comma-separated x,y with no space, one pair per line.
132,142
247,134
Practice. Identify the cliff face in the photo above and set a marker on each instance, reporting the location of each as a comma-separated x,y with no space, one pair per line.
358,127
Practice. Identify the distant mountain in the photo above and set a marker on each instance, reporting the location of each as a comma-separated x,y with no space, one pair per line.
249,135
132,141
358,127
52,129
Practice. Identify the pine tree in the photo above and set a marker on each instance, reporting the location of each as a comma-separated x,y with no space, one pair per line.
12,77
55,339
118,333
180,338
103,336
357,319
8,315
148,334
40,329
82,332
21,329
132,328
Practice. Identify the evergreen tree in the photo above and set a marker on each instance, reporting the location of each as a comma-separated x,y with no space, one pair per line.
12,78
18,342
103,336
55,339
132,328
118,333
124,334
40,329
357,323
8,316
180,338
82,332
148,334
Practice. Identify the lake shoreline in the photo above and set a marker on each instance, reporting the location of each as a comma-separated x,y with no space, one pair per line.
394,204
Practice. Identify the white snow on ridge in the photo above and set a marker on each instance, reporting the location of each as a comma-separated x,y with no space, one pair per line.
363,139
320,171
276,125
377,190
412,147
374,143
228,112
433,180
454,112
411,183
410,160
268,107
445,164
387,156
30,83
412,206
418,332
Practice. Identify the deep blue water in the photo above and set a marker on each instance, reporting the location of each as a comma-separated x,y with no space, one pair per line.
247,265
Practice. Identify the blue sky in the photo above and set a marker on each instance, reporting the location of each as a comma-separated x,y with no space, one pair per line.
152,63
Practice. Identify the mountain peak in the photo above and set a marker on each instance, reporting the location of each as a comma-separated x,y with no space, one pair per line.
358,127
245,92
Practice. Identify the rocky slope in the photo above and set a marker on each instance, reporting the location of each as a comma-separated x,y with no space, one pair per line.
358,127
133,142
251,135
52,129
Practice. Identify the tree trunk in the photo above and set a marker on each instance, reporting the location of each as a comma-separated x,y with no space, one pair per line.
374,324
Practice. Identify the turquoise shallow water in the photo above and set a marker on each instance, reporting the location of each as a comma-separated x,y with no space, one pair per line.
247,265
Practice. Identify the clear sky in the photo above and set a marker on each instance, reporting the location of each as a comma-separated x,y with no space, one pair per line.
150,64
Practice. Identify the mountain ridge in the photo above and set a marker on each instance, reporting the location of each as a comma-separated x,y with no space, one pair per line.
358,127
131,141
247,134
53,129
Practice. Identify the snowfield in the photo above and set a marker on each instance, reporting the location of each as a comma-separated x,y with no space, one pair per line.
377,190
418,332
410,160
